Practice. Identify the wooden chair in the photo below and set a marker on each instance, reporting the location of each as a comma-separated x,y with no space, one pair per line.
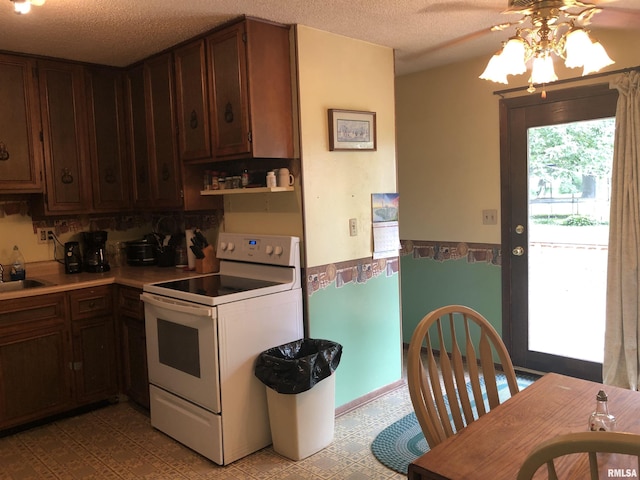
426,374
581,442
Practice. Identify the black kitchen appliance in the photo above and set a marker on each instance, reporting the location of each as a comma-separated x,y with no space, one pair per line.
72,257
141,253
95,253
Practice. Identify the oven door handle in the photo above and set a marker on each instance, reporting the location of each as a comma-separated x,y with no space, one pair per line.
176,305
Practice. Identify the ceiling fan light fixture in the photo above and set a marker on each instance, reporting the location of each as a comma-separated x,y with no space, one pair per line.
22,7
495,70
514,55
542,71
597,59
556,29
577,47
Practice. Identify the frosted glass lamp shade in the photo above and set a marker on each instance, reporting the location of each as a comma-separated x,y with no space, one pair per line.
542,70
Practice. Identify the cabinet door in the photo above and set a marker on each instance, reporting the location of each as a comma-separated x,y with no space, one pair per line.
94,361
227,71
194,135
138,146
109,169
166,184
35,359
65,137
20,145
94,352
135,373
134,351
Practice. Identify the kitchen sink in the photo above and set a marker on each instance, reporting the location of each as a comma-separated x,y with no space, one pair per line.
23,285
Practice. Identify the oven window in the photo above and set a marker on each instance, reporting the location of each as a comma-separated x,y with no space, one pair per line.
178,347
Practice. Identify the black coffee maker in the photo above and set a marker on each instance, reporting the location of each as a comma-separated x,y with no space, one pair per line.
72,258
95,252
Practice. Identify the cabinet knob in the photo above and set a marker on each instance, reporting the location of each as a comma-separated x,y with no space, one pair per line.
109,175
66,176
165,172
193,122
228,113
4,153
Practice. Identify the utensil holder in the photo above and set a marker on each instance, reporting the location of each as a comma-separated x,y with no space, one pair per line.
210,263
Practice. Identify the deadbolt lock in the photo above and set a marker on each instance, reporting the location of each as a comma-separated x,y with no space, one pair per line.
520,229
518,251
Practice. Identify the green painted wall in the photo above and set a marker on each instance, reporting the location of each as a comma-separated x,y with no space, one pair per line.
363,318
427,284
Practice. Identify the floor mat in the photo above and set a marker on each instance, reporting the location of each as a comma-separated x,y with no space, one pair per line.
402,442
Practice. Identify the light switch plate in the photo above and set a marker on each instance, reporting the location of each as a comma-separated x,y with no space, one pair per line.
489,217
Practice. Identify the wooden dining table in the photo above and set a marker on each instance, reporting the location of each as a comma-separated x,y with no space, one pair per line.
495,446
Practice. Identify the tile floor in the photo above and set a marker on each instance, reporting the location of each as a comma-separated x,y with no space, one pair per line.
118,442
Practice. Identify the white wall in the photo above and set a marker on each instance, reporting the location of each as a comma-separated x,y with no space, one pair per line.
342,73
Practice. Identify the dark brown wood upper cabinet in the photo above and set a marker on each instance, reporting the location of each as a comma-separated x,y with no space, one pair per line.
20,145
64,122
250,78
161,132
137,138
109,166
194,134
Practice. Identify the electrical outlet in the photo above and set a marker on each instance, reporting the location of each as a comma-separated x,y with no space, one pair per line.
42,236
353,227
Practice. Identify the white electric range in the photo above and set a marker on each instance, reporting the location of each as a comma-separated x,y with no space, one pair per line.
203,337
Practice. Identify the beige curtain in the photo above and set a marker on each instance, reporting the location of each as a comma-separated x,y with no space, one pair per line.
621,366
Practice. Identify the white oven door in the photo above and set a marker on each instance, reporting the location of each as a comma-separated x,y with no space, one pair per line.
182,349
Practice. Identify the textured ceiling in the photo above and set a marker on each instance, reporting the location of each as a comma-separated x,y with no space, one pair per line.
121,32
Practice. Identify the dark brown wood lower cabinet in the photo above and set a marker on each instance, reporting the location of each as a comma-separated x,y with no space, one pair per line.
57,353
135,377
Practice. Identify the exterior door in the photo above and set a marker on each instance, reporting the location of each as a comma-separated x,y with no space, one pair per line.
555,231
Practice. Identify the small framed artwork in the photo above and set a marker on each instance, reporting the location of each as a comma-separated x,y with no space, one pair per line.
352,130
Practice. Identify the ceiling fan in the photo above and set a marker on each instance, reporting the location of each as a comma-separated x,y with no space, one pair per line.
545,27
24,6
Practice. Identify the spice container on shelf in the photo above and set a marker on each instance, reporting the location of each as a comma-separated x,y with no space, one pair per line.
244,178
207,180
222,181
214,181
271,179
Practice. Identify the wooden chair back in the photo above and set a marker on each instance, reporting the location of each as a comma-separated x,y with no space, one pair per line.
587,442
456,329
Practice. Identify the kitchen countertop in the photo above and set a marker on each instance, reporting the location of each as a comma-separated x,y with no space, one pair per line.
53,273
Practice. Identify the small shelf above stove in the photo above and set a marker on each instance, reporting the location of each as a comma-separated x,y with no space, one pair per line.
235,191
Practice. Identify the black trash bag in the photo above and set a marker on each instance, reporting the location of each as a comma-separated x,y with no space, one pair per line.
297,366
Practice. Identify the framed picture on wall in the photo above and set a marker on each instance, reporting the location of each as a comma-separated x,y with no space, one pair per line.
352,130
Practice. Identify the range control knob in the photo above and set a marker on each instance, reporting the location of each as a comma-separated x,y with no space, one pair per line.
268,250
231,247
278,250
223,246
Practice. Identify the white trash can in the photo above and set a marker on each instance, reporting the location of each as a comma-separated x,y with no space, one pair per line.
302,423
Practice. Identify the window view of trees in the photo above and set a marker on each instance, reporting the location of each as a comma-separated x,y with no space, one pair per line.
569,164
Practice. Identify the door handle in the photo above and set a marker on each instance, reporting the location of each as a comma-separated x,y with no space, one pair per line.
518,251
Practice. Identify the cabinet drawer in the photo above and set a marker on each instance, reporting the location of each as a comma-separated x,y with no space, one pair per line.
91,302
129,302
32,312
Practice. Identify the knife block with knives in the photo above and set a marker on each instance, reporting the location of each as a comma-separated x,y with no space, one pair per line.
208,264
206,260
